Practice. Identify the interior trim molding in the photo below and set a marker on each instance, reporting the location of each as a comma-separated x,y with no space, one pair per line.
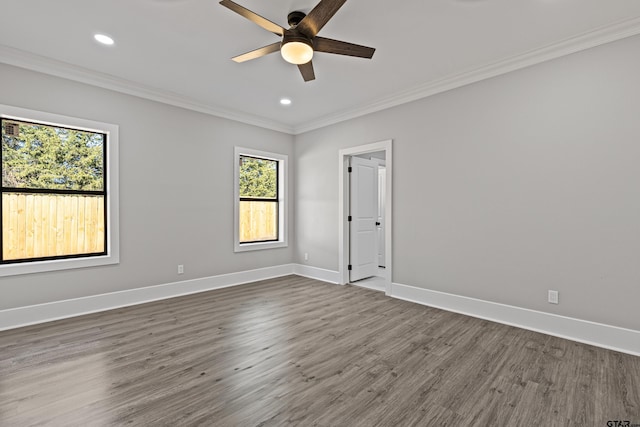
583,331
33,62
584,41
321,274
47,312
587,40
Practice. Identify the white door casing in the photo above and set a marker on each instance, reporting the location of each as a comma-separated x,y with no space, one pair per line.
382,171
363,252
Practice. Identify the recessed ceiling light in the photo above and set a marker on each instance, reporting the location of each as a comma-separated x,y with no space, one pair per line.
285,101
104,39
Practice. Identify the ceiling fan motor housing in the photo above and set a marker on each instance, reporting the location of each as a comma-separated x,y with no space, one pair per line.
295,36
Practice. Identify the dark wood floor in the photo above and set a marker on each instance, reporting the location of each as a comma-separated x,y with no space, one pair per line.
301,352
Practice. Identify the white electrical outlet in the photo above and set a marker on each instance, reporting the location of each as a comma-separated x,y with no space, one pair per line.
553,297
306,256
180,269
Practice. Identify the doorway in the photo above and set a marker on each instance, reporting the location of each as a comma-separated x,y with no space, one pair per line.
375,225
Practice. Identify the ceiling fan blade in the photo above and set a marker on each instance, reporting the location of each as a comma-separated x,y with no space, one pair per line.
307,71
321,44
319,16
257,53
254,17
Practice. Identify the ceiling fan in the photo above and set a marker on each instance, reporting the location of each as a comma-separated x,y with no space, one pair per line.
300,40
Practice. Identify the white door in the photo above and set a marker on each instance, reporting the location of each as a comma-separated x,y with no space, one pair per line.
382,175
363,191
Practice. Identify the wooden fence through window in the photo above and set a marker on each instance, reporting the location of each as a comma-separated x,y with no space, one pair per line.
44,225
258,221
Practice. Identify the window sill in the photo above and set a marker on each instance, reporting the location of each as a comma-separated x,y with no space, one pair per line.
58,264
245,247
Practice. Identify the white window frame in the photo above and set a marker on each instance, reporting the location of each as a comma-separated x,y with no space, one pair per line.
112,187
282,160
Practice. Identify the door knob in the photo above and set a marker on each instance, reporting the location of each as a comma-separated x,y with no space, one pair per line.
377,223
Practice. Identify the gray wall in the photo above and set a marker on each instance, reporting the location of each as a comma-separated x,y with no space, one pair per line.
505,188
176,190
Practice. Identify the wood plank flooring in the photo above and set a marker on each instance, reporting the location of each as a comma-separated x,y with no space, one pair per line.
294,351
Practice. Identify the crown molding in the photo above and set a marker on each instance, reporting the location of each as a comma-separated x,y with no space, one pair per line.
587,40
584,41
33,62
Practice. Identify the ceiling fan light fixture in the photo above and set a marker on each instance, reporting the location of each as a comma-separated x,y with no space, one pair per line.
296,50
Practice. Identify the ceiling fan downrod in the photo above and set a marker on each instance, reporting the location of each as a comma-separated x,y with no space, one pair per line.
295,17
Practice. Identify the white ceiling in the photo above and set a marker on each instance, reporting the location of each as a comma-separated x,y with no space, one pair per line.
179,51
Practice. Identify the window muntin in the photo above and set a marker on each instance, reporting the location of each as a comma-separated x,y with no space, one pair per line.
260,205
258,188
53,192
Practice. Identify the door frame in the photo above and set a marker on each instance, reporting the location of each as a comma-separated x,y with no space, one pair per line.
382,164
343,208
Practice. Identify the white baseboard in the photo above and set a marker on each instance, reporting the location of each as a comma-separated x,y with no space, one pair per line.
606,336
316,273
40,313
592,333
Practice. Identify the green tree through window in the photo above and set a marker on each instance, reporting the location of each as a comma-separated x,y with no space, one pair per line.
47,157
258,178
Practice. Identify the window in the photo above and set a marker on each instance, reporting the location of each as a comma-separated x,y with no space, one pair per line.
260,196
58,192
258,182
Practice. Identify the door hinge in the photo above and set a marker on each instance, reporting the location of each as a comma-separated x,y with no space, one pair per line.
349,169
349,218
349,267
